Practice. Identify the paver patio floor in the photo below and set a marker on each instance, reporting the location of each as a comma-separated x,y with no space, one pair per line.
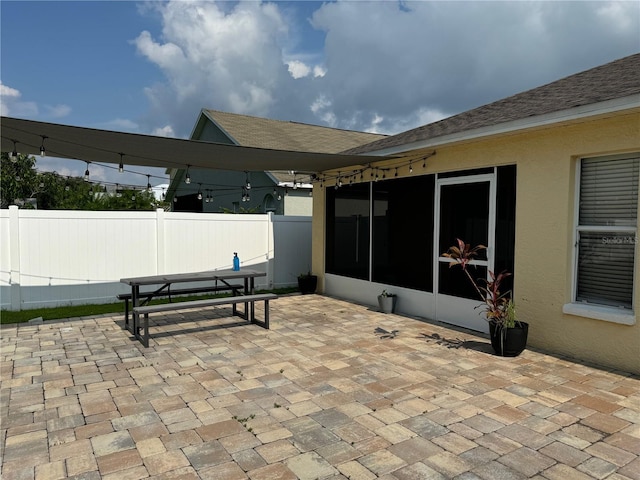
333,390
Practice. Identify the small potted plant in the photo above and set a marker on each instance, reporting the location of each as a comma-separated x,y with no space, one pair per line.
307,283
508,334
387,301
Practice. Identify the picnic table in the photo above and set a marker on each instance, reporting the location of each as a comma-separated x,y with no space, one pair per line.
210,280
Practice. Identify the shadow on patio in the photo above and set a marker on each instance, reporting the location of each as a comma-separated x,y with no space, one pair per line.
333,390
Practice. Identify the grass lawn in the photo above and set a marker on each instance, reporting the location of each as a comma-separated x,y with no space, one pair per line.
55,313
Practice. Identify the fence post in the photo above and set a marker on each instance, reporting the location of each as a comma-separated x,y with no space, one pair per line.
160,252
14,255
269,256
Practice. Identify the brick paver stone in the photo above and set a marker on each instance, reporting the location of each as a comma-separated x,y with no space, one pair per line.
319,395
309,466
111,443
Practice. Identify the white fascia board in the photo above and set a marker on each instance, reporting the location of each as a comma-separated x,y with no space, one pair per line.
569,115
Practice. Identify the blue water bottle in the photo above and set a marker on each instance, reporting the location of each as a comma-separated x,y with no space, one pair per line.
236,262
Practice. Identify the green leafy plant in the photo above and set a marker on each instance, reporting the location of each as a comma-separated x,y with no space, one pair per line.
387,294
498,306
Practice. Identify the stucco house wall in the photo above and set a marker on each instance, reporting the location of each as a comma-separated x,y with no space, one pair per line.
546,160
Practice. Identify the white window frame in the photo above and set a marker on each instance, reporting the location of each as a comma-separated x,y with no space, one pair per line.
594,311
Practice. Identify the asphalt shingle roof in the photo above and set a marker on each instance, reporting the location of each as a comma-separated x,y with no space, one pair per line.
282,135
610,81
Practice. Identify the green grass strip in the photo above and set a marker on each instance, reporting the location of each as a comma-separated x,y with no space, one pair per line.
56,313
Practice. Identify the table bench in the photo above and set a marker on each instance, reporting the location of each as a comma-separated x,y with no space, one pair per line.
248,300
147,296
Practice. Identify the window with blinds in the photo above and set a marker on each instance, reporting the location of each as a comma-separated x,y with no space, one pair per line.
607,230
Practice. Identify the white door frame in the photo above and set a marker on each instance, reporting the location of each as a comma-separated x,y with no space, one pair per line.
455,310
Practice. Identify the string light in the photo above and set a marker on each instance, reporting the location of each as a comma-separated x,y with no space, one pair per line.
43,152
374,172
199,192
14,154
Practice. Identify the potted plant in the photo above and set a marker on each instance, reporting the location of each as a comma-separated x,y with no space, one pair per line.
508,334
387,301
307,283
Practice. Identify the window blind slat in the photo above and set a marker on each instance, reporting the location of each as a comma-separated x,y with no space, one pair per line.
609,191
608,196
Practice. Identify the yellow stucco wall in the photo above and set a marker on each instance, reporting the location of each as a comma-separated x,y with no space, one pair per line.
546,167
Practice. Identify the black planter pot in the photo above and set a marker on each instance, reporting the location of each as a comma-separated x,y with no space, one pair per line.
509,342
308,284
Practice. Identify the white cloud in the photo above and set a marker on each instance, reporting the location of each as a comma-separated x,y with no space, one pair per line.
383,66
620,14
297,69
166,131
319,71
12,105
57,111
215,59
6,91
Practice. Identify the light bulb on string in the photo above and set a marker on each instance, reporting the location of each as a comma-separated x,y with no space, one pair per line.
86,173
43,152
121,165
149,189
14,153
199,192
187,178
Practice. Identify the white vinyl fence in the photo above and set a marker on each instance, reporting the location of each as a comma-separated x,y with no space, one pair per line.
64,257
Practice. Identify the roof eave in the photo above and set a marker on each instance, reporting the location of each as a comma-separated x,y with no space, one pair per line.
562,116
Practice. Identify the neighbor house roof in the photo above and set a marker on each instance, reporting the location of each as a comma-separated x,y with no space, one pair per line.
609,82
258,132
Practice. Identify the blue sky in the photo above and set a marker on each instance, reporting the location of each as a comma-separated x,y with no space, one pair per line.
149,67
